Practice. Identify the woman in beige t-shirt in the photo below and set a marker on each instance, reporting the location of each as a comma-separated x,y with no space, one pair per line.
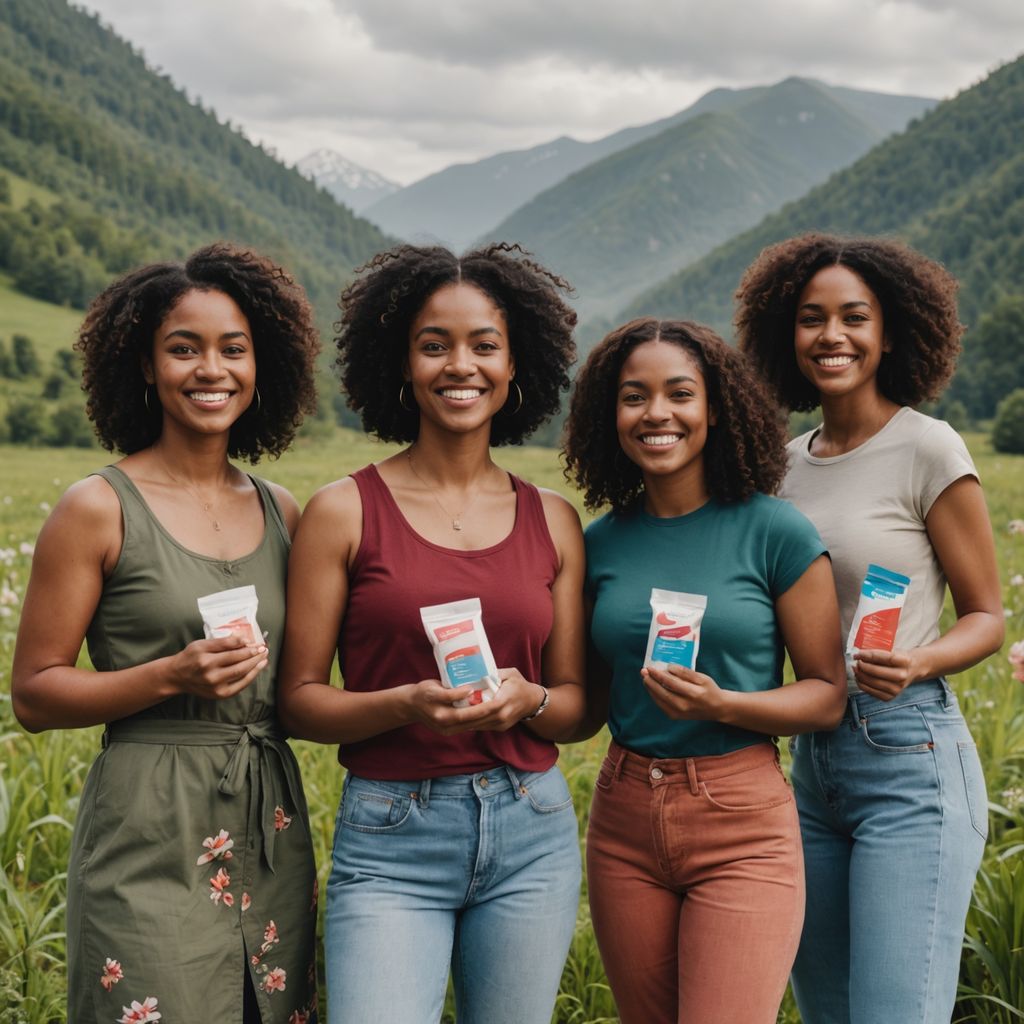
892,803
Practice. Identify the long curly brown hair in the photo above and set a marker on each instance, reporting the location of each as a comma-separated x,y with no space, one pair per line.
378,309
745,450
916,294
120,324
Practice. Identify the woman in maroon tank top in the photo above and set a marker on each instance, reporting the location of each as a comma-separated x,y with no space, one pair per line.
456,841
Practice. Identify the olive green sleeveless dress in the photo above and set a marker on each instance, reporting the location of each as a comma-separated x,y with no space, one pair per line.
191,861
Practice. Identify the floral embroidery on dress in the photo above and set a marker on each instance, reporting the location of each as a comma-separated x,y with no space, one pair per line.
218,888
112,974
270,939
299,1017
140,1013
274,980
316,893
218,847
281,820
246,902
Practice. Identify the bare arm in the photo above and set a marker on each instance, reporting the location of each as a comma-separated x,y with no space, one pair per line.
808,615
960,530
78,546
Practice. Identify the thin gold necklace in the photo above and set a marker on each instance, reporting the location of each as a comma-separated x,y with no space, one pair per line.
205,505
456,520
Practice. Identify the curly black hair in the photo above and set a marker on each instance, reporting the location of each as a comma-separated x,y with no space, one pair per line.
121,322
379,307
916,294
745,450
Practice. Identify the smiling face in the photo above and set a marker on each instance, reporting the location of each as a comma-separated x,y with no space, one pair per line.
840,334
203,364
460,363
662,414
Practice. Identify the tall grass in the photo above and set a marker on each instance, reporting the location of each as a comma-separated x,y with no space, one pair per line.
41,776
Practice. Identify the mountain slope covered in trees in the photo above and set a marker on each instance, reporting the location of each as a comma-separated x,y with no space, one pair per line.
953,186
141,171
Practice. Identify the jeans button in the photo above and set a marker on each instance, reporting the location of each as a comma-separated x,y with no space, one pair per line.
657,773
483,780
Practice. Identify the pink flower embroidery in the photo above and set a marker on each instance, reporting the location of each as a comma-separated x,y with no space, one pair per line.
1016,657
218,847
218,884
281,820
299,1017
316,894
274,981
246,902
140,1013
270,934
112,974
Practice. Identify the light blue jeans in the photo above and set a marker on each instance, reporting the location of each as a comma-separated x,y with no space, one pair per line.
479,873
894,818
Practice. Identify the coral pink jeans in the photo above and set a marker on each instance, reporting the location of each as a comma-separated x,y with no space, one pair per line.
696,885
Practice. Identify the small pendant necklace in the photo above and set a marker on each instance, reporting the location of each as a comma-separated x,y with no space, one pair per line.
456,520
206,506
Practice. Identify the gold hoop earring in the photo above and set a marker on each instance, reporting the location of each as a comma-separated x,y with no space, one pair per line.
259,401
145,398
401,398
519,405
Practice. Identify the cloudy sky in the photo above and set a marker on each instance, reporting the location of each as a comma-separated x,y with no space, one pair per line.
406,87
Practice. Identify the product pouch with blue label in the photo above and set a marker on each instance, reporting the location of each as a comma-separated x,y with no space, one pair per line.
674,636
463,655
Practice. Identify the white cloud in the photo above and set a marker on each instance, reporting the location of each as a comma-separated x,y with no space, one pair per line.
407,88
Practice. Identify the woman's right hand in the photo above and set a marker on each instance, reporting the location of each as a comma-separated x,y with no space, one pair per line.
429,702
217,668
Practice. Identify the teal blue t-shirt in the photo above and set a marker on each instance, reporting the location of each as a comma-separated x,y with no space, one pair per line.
742,556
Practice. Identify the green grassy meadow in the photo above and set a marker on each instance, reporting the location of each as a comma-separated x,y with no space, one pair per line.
41,776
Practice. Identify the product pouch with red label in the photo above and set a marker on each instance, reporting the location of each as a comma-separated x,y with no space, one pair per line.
231,613
674,636
463,655
878,611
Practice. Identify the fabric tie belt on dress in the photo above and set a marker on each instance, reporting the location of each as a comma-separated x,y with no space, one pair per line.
254,742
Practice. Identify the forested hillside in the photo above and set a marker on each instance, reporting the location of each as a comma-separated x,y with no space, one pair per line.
952,185
139,171
629,219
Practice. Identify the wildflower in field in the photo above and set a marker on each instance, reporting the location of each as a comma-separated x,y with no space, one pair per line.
1017,581
1016,526
25,548
1013,799
140,1013
1016,657
112,974
8,596
218,847
275,980
7,499
44,506
7,556
218,888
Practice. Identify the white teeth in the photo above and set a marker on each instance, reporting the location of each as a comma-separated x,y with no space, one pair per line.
460,393
660,439
209,396
834,360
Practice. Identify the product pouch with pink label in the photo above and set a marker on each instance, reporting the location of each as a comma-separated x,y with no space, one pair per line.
463,655
231,613
878,611
674,636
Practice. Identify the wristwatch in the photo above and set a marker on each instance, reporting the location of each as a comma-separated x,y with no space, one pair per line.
541,708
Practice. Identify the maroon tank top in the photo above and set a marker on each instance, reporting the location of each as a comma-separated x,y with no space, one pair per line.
382,642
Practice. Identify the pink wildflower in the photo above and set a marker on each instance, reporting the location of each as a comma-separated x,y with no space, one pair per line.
218,848
218,884
112,974
1016,526
274,981
281,820
1016,657
140,1013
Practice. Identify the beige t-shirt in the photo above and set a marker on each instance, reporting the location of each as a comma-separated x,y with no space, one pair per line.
870,504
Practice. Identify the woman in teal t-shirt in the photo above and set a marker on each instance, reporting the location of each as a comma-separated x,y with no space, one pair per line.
693,851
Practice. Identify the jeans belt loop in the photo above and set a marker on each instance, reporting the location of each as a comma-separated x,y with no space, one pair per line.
691,774
424,794
518,789
620,759
854,713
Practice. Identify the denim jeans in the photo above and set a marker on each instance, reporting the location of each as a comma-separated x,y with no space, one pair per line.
894,817
479,873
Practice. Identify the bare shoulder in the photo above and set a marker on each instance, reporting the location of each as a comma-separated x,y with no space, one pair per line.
287,504
86,518
558,511
336,510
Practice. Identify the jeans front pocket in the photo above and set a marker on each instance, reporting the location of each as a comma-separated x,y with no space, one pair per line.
368,806
899,730
548,791
758,789
974,782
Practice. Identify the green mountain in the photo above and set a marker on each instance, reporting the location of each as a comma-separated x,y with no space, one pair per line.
139,171
637,215
952,185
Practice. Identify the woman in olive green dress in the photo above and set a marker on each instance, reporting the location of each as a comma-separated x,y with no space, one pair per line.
191,887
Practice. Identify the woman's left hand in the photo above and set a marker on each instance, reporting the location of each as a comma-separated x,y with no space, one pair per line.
516,698
683,693
884,674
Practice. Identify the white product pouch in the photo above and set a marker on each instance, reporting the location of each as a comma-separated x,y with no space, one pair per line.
231,613
463,655
674,636
882,595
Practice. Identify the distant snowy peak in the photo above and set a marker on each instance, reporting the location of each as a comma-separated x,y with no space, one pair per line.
355,186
